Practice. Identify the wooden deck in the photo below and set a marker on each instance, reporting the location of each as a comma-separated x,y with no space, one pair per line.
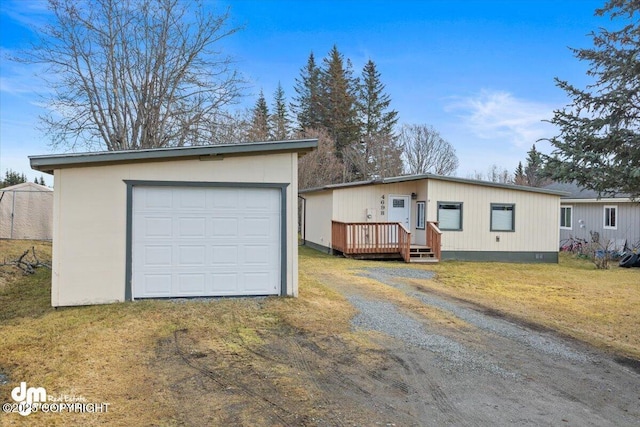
375,240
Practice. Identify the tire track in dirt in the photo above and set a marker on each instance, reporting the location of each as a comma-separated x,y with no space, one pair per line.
278,411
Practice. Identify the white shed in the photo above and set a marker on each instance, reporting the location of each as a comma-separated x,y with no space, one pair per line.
26,212
175,222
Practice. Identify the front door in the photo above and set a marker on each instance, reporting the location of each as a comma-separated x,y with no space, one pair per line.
398,211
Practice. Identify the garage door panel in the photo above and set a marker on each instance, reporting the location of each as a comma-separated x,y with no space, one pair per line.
225,199
258,255
193,198
224,226
224,256
190,255
157,285
258,227
224,284
155,226
191,284
211,241
162,199
192,227
158,256
254,282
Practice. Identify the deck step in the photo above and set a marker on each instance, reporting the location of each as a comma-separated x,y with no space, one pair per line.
424,260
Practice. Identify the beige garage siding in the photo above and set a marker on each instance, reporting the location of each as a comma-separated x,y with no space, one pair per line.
90,214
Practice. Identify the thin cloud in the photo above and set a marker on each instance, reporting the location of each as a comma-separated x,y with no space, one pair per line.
498,115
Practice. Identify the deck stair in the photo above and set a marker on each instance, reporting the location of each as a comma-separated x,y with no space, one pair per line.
422,254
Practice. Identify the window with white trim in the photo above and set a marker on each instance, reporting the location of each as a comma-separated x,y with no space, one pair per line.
611,217
566,217
503,217
450,216
420,217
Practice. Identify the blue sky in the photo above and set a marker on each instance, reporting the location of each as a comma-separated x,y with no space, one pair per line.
480,72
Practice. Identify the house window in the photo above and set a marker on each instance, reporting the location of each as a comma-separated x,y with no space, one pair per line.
566,213
420,217
450,215
398,203
502,217
611,217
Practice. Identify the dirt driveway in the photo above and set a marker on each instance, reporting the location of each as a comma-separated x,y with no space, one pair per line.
464,367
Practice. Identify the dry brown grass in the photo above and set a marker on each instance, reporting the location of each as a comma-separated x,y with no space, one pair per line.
109,353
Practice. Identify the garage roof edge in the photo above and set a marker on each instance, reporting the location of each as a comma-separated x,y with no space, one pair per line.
47,163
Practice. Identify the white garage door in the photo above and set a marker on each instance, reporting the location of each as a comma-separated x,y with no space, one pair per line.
205,241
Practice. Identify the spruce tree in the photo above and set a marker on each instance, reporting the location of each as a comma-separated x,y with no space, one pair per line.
279,120
338,101
533,171
376,119
379,152
519,177
307,105
599,142
259,129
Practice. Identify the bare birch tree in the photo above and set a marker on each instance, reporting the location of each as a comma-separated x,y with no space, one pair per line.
425,151
322,166
134,74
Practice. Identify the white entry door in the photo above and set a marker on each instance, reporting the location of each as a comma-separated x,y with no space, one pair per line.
398,211
201,241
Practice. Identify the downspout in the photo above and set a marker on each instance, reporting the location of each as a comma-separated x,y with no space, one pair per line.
304,219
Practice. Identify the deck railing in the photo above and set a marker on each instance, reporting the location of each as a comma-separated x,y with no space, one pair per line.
434,238
370,238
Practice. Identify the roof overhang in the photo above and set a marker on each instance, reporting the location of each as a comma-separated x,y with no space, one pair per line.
607,200
49,163
407,178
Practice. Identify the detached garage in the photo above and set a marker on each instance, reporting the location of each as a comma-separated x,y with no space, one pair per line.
176,222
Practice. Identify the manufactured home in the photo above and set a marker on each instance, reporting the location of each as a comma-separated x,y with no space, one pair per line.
428,218
585,216
214,220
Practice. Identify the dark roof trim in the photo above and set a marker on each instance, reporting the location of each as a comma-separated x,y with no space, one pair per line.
438,178
48,163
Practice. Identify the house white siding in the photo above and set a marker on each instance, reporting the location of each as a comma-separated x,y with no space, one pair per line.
536,216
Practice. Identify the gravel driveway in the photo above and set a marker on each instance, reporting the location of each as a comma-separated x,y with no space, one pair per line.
492,371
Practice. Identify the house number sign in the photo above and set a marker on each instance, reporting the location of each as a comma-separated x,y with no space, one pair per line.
382,206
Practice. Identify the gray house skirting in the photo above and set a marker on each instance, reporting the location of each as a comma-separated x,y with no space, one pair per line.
498,256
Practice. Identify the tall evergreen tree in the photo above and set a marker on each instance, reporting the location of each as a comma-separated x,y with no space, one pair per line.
533,170
378,151
599,142
338,107
12,177
307,105
376,119
519,177
279,120
259,129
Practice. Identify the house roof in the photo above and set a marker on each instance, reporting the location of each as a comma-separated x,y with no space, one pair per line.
27,187
438,178
578,194
48,163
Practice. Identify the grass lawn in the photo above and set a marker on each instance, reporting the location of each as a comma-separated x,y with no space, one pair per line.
110,353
